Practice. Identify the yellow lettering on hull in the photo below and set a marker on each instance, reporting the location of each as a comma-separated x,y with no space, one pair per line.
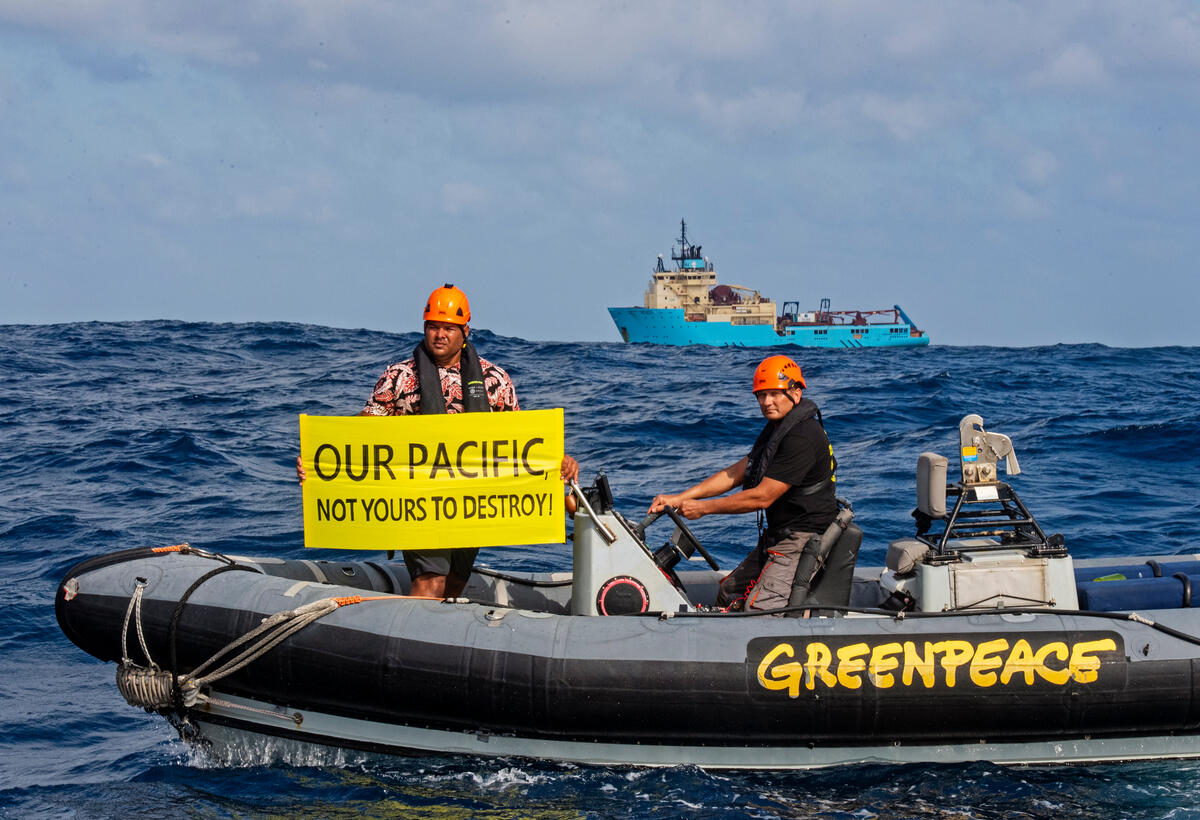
950,662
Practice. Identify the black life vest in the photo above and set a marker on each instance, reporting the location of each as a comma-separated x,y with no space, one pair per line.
767,443
475,399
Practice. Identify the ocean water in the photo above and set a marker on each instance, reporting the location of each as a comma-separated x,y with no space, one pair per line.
152,433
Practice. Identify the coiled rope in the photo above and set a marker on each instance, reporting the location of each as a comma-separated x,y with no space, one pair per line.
140,685
156,689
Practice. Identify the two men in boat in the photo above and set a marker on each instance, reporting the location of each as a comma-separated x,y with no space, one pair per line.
444,375
789,473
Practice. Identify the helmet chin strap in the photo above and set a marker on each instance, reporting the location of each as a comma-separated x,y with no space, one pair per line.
794,401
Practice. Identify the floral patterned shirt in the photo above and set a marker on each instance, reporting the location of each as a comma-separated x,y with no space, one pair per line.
398,393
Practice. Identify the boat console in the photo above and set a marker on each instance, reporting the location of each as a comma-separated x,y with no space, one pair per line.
615,572
986,551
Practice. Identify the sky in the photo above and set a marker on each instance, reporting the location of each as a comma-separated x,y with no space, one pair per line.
1010,173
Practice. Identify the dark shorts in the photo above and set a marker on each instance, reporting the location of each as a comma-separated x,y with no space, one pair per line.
457,562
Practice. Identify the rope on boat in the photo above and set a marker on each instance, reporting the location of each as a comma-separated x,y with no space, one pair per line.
150,686
154,688
140,685
183,600
135,608
273,631
294,717
525,582
187,549
264,637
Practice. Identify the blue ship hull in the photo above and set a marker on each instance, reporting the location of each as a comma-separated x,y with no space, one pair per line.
669,327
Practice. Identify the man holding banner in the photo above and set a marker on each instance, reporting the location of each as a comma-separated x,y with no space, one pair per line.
444,376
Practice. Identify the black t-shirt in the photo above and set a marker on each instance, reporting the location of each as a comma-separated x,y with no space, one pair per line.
804,458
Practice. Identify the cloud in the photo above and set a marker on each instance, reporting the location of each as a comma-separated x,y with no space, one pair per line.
599,173
306,199
755,111
1024,205
461,196
1114,185
303,133
15,174
905,119
109,67
737,67
1074,65
1039,166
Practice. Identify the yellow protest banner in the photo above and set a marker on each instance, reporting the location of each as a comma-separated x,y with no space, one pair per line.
412,482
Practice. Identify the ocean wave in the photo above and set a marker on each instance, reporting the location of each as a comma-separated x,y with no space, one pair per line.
127,434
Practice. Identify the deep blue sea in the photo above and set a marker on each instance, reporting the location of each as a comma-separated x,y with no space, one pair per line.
151,433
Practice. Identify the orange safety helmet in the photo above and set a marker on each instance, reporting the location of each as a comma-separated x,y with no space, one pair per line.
778,373
448,304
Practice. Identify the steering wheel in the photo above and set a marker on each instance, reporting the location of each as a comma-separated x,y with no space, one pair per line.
640,531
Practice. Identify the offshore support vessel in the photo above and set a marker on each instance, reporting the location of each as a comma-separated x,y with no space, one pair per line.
686,306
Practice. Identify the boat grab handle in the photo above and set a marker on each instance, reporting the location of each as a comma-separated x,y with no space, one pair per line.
607,534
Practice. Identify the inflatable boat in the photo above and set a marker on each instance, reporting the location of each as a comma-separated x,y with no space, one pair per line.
981,639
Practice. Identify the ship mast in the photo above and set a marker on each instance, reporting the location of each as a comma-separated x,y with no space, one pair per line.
686,251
